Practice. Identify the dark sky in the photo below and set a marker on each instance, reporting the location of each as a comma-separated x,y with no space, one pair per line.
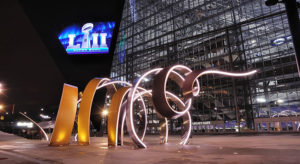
33,64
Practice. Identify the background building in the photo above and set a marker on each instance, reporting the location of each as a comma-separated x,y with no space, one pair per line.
232,35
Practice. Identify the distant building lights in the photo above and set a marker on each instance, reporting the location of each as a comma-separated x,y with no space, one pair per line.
280,101
25,124
45,116
261,100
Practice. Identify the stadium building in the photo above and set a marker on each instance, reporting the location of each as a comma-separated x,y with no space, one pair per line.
231,35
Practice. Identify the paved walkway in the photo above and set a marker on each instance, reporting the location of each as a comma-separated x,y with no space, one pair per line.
201,149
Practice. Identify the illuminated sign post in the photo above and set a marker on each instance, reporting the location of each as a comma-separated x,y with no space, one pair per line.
122,105
91,38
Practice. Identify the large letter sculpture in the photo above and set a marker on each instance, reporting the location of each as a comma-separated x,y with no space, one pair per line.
122,105
85,110
65,117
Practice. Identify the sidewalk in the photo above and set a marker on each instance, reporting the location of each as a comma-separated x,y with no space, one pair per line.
201,149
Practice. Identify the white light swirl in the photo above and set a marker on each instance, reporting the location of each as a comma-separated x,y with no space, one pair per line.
179,113
43,131
130,105
227,73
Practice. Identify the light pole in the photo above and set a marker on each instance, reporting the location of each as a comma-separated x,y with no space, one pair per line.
1,88
1,106
1,109
104,122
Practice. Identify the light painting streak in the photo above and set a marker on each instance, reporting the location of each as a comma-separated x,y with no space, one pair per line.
129,110
43,131
122,108
159,97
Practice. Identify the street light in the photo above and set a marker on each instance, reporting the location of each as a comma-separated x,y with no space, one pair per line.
105,112
1,89
1,107
104,121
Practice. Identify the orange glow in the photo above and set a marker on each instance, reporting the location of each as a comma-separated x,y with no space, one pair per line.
61,136
114,116
83,138
85,111
65,116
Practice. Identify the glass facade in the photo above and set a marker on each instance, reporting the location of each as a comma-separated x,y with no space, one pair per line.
232,35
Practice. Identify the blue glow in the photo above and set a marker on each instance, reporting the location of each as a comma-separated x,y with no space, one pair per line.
282,110
281,40
133,10
75,41
122,53
86,50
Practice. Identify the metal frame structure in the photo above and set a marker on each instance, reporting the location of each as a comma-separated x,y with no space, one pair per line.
232,35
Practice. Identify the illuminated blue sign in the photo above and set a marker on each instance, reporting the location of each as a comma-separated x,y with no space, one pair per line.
91,38
281,40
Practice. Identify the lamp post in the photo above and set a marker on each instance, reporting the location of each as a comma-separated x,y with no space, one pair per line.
1,88
104,122
1,109
1,105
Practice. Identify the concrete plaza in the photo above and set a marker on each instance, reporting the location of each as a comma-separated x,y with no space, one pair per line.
201,149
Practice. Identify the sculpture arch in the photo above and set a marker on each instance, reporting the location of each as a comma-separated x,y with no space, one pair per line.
123,98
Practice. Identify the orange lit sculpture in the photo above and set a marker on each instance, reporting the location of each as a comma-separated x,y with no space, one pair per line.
122,105
65,117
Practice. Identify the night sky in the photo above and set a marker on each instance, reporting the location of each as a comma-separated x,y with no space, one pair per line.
33,64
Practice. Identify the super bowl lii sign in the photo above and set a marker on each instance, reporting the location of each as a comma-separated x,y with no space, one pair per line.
125,98
91,38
